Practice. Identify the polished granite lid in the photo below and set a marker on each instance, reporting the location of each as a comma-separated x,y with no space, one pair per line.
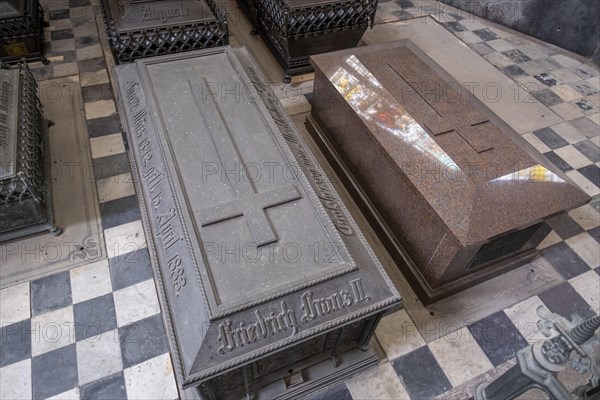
135,15
255,249
9,102
476,172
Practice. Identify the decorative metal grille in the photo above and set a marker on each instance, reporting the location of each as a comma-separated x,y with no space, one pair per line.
21,36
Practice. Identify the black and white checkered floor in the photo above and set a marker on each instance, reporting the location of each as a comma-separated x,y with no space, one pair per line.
96,332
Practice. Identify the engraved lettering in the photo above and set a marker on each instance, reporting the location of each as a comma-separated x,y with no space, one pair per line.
164,14
166,231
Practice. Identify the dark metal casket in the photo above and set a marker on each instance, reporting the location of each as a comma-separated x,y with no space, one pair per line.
296,29
269,288
25,193
21,30
146,28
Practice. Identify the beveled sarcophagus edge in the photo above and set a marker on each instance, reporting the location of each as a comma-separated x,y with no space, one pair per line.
280,125
342,166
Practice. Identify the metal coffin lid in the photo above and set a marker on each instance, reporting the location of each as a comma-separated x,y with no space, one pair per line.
139,15
9,112
240,230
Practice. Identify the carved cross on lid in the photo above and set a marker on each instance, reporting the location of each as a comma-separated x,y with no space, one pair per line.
250,204
474,134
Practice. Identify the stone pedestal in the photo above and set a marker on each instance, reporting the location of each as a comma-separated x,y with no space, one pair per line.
146,28
25,186
21,31
454,193
296,29
269,290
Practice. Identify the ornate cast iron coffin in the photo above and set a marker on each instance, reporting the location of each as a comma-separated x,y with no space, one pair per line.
269,287
296,29
464,198
146,28
25,197
21,30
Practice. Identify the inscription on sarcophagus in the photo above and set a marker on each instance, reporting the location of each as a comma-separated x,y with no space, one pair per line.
465,198
263,277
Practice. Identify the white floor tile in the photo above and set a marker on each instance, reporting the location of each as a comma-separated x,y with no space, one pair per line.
14,304
584,183
380,383
52,330
107,145
15,381
536,143
588,286
98,357
115,187
136,302
568,132
551,239
152,379
90,281
586,248
124,239
100,108
586,216
460,356
573,156
524,316
398,335
72,394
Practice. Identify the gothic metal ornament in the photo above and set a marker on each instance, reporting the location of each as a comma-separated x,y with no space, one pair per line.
21,31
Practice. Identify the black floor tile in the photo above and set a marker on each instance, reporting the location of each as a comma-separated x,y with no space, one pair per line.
402,15
15,342
405,3
551,138
514,70
456,16
456,26
61,34
103,126
592,172
498,337
129,269
92,64
421,374
564,260
516,55
486,34
85,41
50,293
79,3
595,233
94,317
108,166
119,211
564,300
54,372
337,392
584,88
558,161
586,126
97,92
547,80
548,97
142,340
585,105
68,56
589,149
54,15
565,226
108,388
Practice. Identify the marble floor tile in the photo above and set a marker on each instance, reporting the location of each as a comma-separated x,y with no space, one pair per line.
550,138
14,304
564,226
88,52
558,162
470,38
103,126
587,127
52,330
460,356
151,379
130,269
586,216
564,300
72,394
15,381
107,145
120,211
532,67
564,260
583,183
586,248
110,387
142,340
567,111
566,61
499,339
98,357
100,108
94,78
550,240
124,238
89,281
16,342
136,302
110,166
547,97
566,75
421,374
588,287
50,293
568,132
573,156
514,70
536,143
566,92
94,318
65,69
499,60
398,335
500,45
115,187
62,45
47,379
336,392
524,317
380,382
